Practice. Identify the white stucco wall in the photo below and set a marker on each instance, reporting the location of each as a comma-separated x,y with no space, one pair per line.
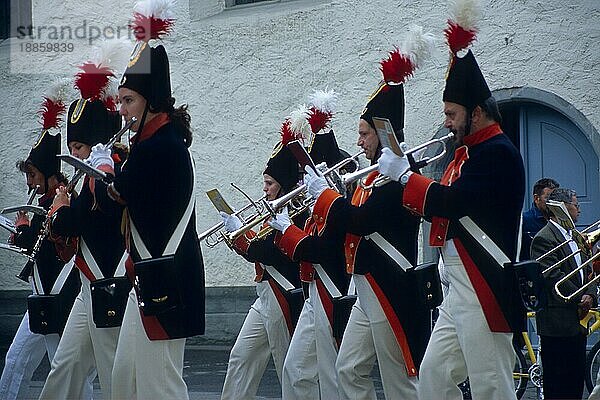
241,71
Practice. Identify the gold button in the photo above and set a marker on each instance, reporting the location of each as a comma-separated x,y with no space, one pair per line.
320,219
111,313
351,245
438,237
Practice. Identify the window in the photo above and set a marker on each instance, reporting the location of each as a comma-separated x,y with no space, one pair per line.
233,3
13,13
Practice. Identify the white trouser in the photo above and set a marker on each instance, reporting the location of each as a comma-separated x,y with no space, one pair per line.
83,350
369,336
23,357
309,367
462,345
263,334
144,368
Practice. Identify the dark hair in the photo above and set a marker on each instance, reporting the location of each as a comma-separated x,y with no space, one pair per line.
491,110
179,116
544,183
25,166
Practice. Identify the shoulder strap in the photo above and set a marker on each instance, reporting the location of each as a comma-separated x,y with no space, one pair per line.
120,271
279,278
327,282
484,241
89,259
177,235
390,250
62,277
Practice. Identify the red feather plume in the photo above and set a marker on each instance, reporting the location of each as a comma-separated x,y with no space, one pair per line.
397,67
146,28
92,80
459,38
318,119
51,113
110,103
286,133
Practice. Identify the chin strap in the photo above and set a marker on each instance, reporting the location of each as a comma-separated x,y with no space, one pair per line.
142,123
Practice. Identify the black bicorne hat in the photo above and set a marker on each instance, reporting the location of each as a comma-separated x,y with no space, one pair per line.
325,149
387,102
43,154
465,84
283,167
90,122
149,75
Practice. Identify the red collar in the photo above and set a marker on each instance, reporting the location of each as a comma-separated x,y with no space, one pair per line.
151,127
482,135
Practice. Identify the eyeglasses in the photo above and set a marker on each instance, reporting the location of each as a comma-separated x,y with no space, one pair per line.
575,204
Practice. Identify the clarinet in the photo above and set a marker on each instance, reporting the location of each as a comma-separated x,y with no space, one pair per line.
45,230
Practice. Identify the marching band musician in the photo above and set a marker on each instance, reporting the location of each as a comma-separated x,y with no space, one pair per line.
309,367
42,169
386,322
562,338
85,348
270,322
157,187
485,184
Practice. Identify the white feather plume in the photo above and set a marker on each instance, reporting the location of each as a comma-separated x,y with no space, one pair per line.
60,91
299,124
161,9
417,45
113,53
323,100
465,13
111,91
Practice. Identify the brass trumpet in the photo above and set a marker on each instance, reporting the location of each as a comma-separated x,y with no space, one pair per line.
296,199
213,235
382,180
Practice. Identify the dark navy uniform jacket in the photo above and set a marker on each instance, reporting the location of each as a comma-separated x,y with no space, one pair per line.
486,182
101,231
156,183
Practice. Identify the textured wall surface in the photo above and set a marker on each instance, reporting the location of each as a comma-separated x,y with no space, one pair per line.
243,70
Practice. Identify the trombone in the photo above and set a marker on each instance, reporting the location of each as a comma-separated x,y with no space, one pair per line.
382,180
590,240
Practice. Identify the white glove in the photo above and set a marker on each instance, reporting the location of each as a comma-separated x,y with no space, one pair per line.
315,184
231,222
100,155
391,165
281,221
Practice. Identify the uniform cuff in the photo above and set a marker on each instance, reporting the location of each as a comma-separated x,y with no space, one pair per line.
242,243
415,193
322,207
290,240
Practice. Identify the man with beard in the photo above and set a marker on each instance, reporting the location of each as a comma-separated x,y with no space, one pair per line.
475,211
